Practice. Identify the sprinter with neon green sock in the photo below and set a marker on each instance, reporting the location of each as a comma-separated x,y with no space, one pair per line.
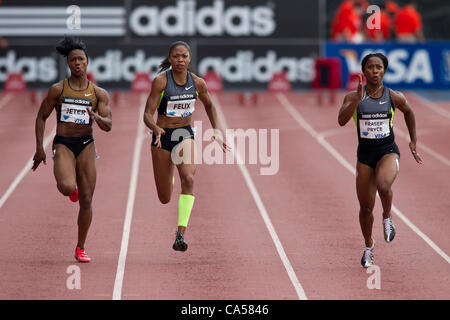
185,204
174,92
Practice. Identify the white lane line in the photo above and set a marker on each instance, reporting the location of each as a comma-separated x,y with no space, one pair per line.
25,170
5,99
118,283
431,105
320,138
426,149
262,210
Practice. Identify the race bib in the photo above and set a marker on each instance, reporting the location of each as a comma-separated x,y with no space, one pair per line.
374,128
74,110
183,108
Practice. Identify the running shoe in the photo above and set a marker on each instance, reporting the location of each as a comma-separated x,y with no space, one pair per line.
389,229
81,256
74,196
367,258
179,244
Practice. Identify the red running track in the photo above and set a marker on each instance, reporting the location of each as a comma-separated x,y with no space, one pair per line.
310,203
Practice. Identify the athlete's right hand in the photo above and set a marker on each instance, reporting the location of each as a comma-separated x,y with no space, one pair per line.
39,157
158,132
417,157
218,137
360,85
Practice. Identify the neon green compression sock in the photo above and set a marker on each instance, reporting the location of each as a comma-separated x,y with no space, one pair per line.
185,204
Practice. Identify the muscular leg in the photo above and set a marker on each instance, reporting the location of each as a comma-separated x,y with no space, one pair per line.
186,170
366,191
385,174
64,170
86,179
163,173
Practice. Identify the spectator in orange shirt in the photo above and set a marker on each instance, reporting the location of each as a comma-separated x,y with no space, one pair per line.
408,24
383,33
391,7
347,22
337,25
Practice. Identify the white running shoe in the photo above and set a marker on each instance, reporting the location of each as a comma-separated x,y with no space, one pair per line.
389,229
367,258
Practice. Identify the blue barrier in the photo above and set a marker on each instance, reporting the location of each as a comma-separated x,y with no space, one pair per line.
411,66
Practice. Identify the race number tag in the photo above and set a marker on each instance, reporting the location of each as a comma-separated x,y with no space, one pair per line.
374,128
183,108
74,110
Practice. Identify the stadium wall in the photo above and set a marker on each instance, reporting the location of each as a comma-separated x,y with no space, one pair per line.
244,42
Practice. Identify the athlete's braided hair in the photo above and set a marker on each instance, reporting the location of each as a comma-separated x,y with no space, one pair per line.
165,64
66,45
376,54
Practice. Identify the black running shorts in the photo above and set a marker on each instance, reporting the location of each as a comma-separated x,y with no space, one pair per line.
371,155
173,137
75,144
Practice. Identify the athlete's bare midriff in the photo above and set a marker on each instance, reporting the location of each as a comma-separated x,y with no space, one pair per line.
73,129
172,122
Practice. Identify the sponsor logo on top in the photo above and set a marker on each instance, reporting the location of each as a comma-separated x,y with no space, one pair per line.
404,66
184,18
190,18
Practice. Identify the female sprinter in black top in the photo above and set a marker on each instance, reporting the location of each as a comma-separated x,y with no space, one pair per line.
372,108
173,94
78,103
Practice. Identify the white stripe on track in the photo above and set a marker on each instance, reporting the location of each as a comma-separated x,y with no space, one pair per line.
118,283
431,105
262,210
25,170
426,149
320,138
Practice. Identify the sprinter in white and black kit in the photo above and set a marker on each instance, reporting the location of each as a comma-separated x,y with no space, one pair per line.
174,93
372,108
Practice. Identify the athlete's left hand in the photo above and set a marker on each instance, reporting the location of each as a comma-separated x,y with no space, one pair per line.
218,136
417,157
91,113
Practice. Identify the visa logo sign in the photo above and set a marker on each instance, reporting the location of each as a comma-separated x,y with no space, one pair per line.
381,135
404,66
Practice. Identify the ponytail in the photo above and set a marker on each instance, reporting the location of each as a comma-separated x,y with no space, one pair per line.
164,65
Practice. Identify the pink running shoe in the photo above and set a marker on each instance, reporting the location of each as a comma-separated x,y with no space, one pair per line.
74,196
81,256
